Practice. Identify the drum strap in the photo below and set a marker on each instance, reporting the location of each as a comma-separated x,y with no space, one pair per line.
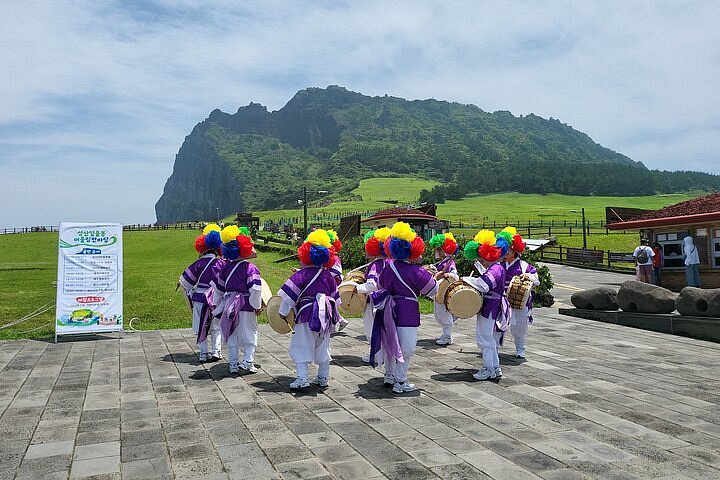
195,287
321,304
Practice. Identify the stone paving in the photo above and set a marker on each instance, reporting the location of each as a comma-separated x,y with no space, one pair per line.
592,400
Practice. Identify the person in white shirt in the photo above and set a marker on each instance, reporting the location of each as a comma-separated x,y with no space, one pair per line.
643,261
692,262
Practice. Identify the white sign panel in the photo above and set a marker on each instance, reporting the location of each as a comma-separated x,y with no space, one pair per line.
90,280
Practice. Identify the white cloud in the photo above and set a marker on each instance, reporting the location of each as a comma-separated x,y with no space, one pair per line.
120,85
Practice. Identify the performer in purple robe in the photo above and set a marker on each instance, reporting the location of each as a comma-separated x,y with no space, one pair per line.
520,319
312,293
492,321
238,299
444,249
375,252
195,280
397,315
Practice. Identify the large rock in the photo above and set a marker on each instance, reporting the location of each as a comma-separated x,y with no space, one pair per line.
601,298
635,296
699,302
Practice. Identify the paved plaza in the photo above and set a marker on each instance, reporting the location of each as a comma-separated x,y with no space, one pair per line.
593,400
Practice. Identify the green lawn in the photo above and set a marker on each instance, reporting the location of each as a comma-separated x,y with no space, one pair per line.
512,208
153,263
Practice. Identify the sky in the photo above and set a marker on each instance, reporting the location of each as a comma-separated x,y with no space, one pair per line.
98,96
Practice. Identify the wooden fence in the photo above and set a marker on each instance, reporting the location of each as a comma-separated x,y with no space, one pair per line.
621,261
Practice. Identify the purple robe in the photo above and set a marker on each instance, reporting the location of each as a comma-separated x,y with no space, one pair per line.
448,263
197,269
314,303
491,283
245,276
514,269
336,269
397,305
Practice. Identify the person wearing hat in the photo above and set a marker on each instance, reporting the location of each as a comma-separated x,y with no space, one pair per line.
196,280
312,293
520,319
238,298
397,316
444,249
493,318
375,252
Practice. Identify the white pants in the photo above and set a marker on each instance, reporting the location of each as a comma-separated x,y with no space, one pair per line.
519,323
408,341
307,347
487,341
245,336
213,339
444,318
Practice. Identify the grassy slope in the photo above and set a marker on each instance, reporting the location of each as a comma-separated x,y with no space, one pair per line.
153,262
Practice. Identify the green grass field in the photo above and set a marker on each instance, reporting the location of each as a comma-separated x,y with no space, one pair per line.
512,208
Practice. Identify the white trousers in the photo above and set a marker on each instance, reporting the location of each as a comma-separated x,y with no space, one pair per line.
212,342
408,341
307,347
444,318
519,323
245,336
487,341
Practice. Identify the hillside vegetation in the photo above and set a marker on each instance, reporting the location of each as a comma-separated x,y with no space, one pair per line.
332,138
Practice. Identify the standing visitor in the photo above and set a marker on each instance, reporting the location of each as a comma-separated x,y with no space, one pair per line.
692,262
643,255
658,262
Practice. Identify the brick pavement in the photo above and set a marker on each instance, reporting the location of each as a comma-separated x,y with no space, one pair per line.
593,400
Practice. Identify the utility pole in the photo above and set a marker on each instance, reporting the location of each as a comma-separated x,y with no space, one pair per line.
584,233
305,222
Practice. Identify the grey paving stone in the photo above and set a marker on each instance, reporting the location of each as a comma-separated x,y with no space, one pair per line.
132,453
353,469
95,466
147,469
50,449
301,469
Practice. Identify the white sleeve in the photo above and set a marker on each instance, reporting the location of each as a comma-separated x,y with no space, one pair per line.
367,287
478,283
535,278
480,267
285,307
256,297
453,275
185,284
217,294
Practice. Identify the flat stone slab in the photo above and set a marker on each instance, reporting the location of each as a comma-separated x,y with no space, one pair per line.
592,400
703,328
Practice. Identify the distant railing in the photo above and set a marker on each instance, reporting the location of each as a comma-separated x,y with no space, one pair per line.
620,261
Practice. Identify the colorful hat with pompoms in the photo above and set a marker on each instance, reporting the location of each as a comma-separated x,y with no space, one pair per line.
237,243
209,240
403,243
335,240
446,242
374,240
317,249
487,246
513,238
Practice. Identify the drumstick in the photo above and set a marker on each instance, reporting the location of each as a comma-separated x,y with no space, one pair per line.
359,268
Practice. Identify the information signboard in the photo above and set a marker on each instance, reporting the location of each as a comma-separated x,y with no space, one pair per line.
90,280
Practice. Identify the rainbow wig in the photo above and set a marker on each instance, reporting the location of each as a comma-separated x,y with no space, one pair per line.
373,246
317,249
335,240
446,242
487,246
403,243
514,239
209,240
238,246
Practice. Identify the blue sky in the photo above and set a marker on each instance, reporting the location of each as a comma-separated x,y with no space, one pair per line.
97,97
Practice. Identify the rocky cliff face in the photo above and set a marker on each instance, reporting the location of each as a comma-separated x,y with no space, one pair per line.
332,137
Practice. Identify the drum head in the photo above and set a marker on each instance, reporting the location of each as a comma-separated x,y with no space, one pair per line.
276,322
266,293
463,301
352,302
356,276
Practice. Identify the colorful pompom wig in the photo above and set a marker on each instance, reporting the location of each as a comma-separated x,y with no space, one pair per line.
514,239
317,249
240,246
446,242
209,240
486,246
403,243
